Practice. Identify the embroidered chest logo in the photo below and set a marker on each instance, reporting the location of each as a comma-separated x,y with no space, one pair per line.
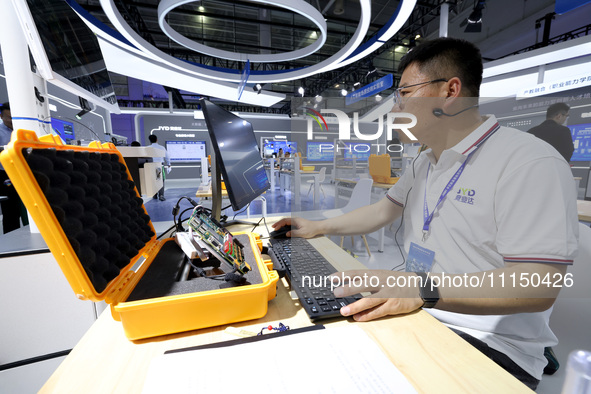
466,196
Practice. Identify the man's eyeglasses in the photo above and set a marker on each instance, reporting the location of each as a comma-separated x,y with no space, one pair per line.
398,97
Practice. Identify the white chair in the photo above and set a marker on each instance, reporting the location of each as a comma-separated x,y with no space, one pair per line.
360,197
320,177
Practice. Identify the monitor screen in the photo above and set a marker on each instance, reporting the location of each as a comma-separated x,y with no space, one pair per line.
237,154
581,134
358,151
63,129
186,151
271,147
320,151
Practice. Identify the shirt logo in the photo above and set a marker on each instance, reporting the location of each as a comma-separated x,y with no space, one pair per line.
466,195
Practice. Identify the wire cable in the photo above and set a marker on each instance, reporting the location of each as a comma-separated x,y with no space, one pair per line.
402,215
242,210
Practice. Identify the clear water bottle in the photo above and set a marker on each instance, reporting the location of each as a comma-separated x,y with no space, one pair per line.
578,373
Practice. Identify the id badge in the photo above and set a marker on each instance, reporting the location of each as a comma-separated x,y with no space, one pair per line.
419,259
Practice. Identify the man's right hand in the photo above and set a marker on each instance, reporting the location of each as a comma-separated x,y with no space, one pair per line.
302,228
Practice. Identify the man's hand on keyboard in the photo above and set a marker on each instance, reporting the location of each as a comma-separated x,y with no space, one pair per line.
302,228
392,293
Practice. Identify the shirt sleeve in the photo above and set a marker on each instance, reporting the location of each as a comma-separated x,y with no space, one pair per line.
536,213
397,193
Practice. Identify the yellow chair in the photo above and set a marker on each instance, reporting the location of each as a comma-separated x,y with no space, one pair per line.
379,169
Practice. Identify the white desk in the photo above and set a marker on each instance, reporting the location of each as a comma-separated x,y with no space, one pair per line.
432,357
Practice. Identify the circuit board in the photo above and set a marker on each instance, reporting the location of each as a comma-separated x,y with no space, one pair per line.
219,241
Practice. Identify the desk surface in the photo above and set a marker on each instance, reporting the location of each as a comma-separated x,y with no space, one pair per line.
584,210
375,184
204,191
432,357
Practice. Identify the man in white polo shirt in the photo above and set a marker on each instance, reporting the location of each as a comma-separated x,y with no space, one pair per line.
485,208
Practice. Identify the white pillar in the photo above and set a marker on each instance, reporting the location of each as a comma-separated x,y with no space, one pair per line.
443,19
27,112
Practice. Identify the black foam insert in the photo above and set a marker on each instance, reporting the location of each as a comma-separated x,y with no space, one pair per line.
160,280
95,203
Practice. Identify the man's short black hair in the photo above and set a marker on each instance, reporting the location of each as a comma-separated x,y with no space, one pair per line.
446,58
557,109
5,107
153,138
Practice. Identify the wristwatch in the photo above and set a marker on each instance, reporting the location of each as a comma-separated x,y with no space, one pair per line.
429,294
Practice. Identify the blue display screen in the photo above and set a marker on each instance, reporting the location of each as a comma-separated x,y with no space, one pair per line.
359,151
581,134
272,147
63,129
186,151
320,151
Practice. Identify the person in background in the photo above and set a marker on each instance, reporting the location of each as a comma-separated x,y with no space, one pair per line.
12,207
163,159
554,132
135,143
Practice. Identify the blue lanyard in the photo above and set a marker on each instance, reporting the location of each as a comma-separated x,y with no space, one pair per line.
429,217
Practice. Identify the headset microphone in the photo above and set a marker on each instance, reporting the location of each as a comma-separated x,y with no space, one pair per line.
438,111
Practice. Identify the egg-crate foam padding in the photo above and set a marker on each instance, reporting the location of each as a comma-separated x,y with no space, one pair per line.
96,205
160,279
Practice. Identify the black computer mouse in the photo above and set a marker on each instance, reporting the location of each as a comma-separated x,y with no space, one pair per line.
280,232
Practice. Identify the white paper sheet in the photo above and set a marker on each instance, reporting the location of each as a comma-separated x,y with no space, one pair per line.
333,360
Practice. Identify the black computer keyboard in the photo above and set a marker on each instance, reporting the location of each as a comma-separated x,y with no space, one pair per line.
303,261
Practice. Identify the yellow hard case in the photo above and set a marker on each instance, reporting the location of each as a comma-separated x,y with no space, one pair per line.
143,318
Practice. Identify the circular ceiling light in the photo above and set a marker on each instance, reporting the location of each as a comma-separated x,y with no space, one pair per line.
352,51
234,75
296,6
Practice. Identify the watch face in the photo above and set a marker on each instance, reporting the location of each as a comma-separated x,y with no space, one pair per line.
429,294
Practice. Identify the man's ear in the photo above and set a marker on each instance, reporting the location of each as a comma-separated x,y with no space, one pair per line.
452,93
454,87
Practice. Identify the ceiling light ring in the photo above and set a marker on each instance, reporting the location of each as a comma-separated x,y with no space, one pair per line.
297,6
394,24
232,75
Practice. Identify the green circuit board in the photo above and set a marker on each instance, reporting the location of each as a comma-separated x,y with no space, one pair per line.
219,241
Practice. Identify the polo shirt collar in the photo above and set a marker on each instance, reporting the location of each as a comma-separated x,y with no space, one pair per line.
477,137
470,143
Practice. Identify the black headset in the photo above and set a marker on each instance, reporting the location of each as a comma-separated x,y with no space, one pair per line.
438,111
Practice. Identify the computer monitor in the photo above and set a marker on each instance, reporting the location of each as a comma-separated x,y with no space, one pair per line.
186,151
320,151
359,151
237,155
581,135
63,129
272,147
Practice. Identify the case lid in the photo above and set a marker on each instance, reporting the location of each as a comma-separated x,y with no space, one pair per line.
86,206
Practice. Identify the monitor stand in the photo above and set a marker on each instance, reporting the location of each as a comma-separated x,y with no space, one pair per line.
216,196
